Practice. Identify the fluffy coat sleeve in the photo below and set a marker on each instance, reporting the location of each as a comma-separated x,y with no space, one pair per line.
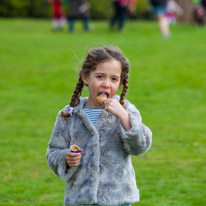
58,147
138,139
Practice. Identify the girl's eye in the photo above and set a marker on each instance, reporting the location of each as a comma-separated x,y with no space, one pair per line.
114,79
99,76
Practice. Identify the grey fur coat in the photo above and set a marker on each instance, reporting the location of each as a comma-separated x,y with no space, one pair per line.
105,175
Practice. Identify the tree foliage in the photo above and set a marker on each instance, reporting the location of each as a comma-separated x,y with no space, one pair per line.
24,8
100,9
41,8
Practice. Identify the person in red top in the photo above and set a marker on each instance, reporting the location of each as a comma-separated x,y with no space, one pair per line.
58,18
120,11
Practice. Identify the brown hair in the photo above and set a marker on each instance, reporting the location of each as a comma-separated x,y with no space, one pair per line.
94,57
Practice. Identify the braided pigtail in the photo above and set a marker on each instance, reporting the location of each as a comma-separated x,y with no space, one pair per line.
75,100
124,91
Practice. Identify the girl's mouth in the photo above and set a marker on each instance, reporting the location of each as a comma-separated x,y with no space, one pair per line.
103,94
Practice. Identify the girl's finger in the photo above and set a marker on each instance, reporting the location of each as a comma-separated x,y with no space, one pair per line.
72,154
74,159
73,163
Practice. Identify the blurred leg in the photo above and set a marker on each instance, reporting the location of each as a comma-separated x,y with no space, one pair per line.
86,23
122,17
163,25
62,22
115,17
54,24
71,23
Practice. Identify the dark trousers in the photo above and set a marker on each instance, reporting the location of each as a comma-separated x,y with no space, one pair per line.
85,21
119,15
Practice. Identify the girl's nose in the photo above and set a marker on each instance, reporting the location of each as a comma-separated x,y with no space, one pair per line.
106,83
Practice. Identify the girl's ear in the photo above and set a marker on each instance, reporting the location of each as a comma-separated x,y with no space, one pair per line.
84,79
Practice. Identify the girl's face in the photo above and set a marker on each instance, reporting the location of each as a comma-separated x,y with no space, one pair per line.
104,80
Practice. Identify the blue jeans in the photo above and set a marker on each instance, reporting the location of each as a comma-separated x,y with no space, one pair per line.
119,15
85,21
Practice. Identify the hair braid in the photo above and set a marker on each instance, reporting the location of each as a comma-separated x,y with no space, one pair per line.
125,87
77,93
124,91
75,100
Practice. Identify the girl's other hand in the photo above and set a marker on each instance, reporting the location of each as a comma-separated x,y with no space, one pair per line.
114,107
73,159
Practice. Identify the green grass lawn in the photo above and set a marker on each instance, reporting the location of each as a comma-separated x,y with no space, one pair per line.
38,72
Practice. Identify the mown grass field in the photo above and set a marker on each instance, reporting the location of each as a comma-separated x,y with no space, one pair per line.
38,72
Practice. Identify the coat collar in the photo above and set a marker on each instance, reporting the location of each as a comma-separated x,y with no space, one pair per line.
79,111
83,100
80,106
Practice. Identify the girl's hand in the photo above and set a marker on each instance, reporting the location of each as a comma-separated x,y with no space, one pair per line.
115,108
73,159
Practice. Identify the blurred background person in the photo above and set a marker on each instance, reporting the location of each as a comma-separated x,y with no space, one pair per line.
78,9
173,10
203,2
199,12
159,8
58,17
120,9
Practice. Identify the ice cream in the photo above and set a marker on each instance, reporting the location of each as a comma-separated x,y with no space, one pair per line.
74,148
100,99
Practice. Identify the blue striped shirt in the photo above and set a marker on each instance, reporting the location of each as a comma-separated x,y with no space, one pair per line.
93,113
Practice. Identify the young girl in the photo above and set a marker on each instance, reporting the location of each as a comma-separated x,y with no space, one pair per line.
106,132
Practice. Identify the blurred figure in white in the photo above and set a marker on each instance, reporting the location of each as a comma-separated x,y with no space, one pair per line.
173,10
159,8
